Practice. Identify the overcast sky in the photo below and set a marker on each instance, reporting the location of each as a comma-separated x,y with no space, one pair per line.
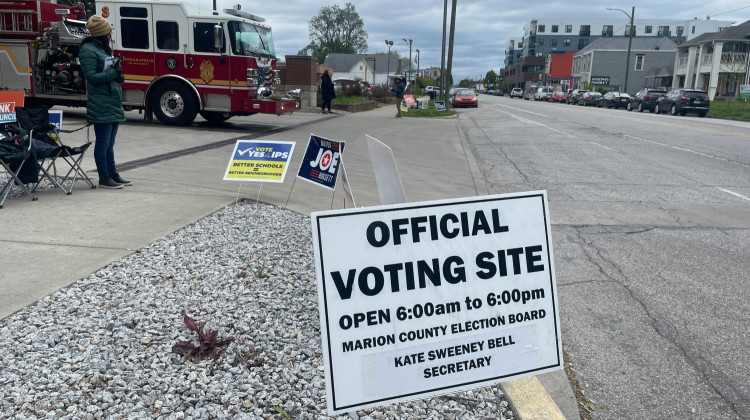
483,27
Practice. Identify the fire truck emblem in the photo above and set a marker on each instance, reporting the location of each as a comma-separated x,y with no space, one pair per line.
207,71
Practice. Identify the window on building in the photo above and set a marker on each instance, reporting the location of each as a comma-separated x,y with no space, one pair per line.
540,54
582,43
553,42
639,62
627,30
540,28
693,31
663,31
520,44
607,30
134,33
167,36
585,30
680,29
568,29
648,29
566,42
554,29
540,41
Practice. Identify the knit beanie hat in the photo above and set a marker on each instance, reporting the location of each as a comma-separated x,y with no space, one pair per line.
98,26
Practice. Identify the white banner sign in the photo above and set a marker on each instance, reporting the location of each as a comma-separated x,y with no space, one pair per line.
429,298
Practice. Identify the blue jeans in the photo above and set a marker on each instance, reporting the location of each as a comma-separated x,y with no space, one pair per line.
104,149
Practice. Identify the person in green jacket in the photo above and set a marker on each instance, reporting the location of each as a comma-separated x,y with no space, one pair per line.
104,109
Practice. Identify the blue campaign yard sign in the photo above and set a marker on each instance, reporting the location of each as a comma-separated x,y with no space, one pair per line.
321,161
261,161
440,105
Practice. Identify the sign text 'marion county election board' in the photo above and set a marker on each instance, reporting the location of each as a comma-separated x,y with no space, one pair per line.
428,298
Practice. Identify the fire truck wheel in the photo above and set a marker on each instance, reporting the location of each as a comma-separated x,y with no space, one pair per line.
174,104
215,117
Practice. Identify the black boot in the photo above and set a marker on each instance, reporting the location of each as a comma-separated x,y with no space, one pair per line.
119,180
108,183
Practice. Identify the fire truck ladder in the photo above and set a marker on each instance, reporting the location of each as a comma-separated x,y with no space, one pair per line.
17,22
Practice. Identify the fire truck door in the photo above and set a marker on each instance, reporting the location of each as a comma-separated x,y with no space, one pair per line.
133,38
209,67
171,41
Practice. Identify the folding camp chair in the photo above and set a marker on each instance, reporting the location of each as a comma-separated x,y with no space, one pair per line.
19,163
49,148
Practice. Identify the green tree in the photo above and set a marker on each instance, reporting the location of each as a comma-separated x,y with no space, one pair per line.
335,30
491,77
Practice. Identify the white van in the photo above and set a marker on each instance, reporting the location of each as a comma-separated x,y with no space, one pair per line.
543,93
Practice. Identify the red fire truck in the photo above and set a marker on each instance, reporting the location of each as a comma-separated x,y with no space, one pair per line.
178,60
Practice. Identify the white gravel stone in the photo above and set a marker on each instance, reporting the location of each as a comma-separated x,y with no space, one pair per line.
101,348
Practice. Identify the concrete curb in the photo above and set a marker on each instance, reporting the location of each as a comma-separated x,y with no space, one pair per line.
530,401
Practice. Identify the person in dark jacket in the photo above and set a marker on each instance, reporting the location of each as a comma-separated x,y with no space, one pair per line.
326,90
400,88
104,109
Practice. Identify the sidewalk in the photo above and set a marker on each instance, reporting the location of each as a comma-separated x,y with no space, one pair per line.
63,238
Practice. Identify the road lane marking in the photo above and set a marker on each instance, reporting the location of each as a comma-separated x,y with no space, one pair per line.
686,150
523,110
734,194
667,124
602,146
527,121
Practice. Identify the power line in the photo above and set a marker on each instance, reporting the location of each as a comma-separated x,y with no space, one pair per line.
724,13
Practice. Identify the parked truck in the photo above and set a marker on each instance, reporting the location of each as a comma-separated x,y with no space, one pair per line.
178,60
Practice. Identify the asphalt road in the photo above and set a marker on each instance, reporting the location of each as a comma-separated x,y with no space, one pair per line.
651,218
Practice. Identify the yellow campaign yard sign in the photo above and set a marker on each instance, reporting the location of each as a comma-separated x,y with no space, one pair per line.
261,160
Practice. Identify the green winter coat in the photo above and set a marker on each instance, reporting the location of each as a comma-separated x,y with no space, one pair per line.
104,92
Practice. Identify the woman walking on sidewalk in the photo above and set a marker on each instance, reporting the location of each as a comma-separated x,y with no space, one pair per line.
326,90
104,108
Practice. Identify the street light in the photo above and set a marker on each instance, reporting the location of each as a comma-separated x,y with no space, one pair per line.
630,43
389,44
408,41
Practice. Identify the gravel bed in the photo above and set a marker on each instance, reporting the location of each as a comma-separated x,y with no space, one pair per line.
101,348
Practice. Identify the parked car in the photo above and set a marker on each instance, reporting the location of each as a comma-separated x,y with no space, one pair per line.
574,95
543,93
347,87
614,100
465,97
681,101
432,91
366,88
516,93
645,99
589,98
558,97
499,92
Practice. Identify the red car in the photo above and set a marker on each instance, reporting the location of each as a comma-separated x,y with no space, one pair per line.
558,97
465,97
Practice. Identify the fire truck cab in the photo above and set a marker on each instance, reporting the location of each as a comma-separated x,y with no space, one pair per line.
178,59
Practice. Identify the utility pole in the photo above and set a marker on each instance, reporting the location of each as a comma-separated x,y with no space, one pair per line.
388,78
630,44
450,40
444,93
408,78
417,50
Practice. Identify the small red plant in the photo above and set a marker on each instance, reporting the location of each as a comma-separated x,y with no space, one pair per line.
209,343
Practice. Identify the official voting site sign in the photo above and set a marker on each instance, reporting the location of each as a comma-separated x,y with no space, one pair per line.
321,161
262,160
422,299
